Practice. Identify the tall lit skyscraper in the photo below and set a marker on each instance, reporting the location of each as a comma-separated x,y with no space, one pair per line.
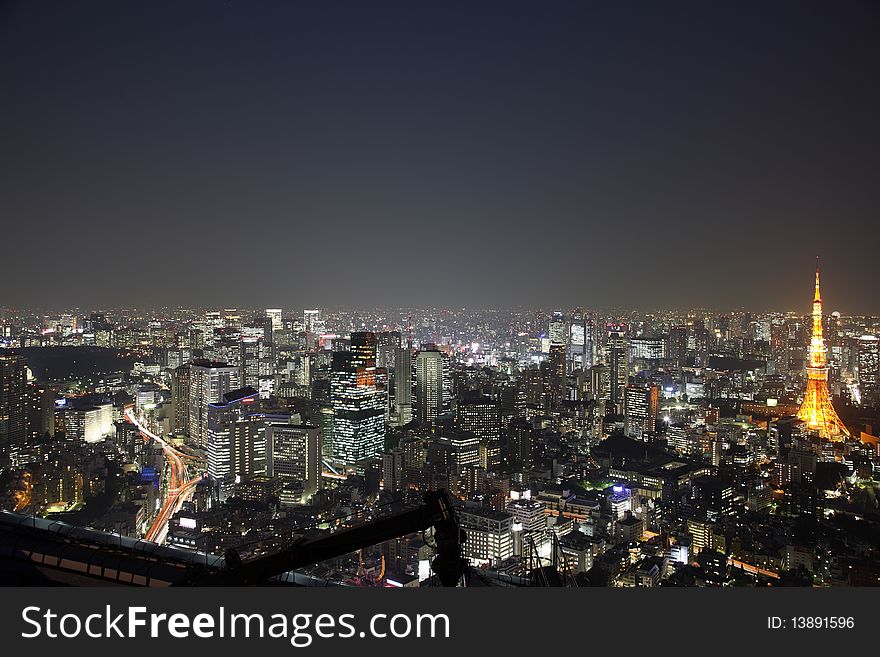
249,360
209,381
647,348
312,322
816,409
480,416
428,397
358,402
642,404
180,382
13,404
363,348
403,386
577,342
295,454
618,362
678,344
556,330
387,344
554,372
869,370
232,440
231,318
41,411
600,382
274,315
392,470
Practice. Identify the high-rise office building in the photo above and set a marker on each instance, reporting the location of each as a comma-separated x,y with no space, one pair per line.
678,344
557,330
647,348
180,381
521,443
590,345
869,370
363,347
250,446
387,344
428,393
642,404
490,535
274,316
227,424
86,419
358,402
393,470
480,416
577,342
209,381
554,376
600,382
40,411
295,452
403,386
618,362
13,404
513,403
312,322
250,360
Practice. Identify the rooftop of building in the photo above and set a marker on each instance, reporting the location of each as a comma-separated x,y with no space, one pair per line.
484,512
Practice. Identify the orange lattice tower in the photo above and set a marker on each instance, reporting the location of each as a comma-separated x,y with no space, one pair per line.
816,410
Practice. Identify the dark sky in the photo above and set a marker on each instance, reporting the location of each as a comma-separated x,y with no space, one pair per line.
439,153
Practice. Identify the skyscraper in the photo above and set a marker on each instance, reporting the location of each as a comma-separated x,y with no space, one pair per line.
226,426
577,342
249,360
618,362
13,404
392,470
387,344
363,348
480,416
40,411
642,404
869,370
678,344
554,371
274,315
312,322
816,409
209,381
600,382
403,385
180,382
556,330
428,397
358,402
295,454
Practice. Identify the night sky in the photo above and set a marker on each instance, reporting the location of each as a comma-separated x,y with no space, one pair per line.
481,154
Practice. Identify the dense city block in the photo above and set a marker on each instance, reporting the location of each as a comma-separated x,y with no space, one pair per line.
579,447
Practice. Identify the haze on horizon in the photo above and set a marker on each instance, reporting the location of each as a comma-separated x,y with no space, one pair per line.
463,154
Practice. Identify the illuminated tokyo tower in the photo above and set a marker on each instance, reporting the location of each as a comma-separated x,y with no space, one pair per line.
816,410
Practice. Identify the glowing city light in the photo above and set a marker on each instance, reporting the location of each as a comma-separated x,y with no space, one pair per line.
816,409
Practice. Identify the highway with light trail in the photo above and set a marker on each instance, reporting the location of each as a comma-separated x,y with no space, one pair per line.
181,486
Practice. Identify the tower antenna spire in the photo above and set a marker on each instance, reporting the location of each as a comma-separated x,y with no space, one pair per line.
816,410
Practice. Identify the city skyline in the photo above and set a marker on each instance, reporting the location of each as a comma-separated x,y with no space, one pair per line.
726,449
600,155
413,295
287,309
